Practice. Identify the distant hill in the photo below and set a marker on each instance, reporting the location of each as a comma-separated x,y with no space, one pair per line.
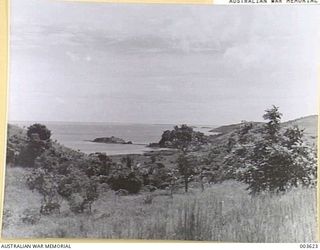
229,128
308,123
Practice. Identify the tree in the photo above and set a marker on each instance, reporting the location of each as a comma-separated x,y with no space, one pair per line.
270,159
272,127
186,167
184,139
38,140
39,129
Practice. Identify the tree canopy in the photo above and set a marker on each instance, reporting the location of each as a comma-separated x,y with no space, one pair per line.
270,158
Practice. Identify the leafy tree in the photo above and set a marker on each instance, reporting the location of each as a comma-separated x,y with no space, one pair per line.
270,159
62,172
182,138
39,129
37,143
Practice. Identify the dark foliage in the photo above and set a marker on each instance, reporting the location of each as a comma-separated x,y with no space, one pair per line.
125,179
269,159
39,129
23,150
183,138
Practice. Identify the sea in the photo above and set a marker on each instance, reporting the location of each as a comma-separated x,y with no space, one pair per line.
79,135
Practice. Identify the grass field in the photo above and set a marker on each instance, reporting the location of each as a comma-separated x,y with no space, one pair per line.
223,212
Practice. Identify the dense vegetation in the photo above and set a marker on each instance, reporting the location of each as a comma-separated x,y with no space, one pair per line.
183,137
270,159
266,157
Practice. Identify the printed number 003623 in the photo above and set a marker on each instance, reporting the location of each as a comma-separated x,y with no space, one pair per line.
313,245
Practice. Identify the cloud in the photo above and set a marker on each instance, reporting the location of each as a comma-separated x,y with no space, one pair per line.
166,62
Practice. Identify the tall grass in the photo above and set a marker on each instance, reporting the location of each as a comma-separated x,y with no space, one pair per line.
223,212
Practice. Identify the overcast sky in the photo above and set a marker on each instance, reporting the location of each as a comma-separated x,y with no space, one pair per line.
161,63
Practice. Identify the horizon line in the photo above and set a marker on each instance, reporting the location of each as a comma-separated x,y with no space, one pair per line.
146,123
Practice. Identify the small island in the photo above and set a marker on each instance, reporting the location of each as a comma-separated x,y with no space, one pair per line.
112,139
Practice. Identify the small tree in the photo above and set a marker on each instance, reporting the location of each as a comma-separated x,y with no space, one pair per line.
183,138
186,167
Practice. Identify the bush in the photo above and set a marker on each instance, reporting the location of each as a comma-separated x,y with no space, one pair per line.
67,186
61,172
125,179
81,202
44,183
30,152
97,164
157,175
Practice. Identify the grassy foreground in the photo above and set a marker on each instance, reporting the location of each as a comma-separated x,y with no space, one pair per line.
223,212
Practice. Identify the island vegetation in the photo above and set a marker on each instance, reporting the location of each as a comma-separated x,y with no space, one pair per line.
111,139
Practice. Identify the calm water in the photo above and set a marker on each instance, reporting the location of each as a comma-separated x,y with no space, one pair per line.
77,135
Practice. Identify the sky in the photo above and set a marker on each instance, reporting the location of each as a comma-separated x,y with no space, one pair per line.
138,63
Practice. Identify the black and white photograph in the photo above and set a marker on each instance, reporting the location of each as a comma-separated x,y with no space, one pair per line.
176,122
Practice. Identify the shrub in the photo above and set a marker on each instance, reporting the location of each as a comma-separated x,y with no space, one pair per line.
157,175
67,186
125,179
97,164
44,183
30,152
82,201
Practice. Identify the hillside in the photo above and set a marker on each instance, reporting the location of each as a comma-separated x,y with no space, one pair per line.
223,212
151,204
308,123
229,128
